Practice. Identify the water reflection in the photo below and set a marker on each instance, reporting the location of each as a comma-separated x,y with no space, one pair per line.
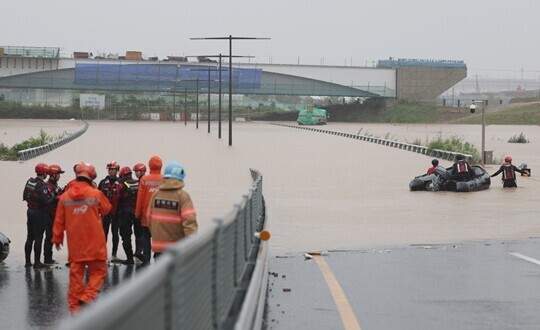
4,276
117,274
46,301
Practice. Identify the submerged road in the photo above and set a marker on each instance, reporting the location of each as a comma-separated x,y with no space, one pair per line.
323,192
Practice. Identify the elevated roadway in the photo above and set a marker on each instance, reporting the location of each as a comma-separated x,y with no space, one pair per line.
420,80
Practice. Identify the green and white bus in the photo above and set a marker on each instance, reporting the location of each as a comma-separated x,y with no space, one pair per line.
312,116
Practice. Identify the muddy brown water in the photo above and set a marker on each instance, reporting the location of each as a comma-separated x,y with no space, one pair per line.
323,192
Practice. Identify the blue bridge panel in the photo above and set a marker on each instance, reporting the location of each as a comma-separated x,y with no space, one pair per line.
170,74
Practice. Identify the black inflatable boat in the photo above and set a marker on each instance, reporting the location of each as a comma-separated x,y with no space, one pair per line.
441,180
4,246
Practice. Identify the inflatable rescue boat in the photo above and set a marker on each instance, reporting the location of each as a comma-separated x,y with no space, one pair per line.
4,246
441,180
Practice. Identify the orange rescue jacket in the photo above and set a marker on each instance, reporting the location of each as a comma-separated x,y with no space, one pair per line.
79,213
147,186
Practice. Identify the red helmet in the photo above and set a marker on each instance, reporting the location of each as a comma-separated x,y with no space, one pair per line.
53,169
113,164
75,167
124,171
139,167
86,170
508,159
41,169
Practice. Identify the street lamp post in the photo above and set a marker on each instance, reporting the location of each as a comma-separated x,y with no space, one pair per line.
197,117
219,99
230,38
208,103
472,109
220,80
185,106
483,135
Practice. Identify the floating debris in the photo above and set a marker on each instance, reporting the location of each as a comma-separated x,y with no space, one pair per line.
319,253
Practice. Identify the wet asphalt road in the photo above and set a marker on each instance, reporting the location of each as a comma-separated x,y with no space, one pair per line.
475,285
37,299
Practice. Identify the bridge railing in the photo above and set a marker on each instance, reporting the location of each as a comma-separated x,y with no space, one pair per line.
437,153
211,280
27,154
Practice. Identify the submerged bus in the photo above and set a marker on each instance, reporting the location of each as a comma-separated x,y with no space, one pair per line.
312,116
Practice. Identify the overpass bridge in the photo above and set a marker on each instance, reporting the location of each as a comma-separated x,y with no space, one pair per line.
401,79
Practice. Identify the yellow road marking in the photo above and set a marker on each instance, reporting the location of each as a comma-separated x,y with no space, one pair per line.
345,311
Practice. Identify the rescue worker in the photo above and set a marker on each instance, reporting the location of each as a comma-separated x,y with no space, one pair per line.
461,170
75,179
171,213
79,214
108,187
55,191
434,164
508,171
127,199
36,194
139,170
147,186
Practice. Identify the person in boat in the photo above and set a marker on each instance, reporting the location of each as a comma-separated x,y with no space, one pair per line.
508,171
435,164
461,170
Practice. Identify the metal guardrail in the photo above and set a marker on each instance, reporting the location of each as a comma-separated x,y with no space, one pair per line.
437,153
211,280
27,154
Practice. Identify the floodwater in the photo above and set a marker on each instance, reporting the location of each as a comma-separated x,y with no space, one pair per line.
323,192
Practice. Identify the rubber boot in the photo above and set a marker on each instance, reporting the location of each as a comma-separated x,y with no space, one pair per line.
129,253
27,254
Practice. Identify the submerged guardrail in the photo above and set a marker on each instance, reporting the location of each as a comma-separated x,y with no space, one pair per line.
215,279
27,154
437,153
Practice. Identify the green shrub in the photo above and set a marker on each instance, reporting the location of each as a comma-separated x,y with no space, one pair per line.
518,139
456,144
43,138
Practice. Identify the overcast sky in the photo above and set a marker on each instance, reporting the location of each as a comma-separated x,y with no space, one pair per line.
495,38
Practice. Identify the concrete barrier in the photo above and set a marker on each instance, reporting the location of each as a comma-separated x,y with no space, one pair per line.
436,153
27,154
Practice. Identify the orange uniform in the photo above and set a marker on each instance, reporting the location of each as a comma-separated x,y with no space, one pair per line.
147,186
79,214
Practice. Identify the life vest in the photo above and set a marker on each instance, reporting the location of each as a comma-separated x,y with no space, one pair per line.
108,187
55,191
128,195
508,172
462,167
35,193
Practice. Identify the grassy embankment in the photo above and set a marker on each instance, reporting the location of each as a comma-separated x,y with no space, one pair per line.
411,112
11,153
518,114
404,112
